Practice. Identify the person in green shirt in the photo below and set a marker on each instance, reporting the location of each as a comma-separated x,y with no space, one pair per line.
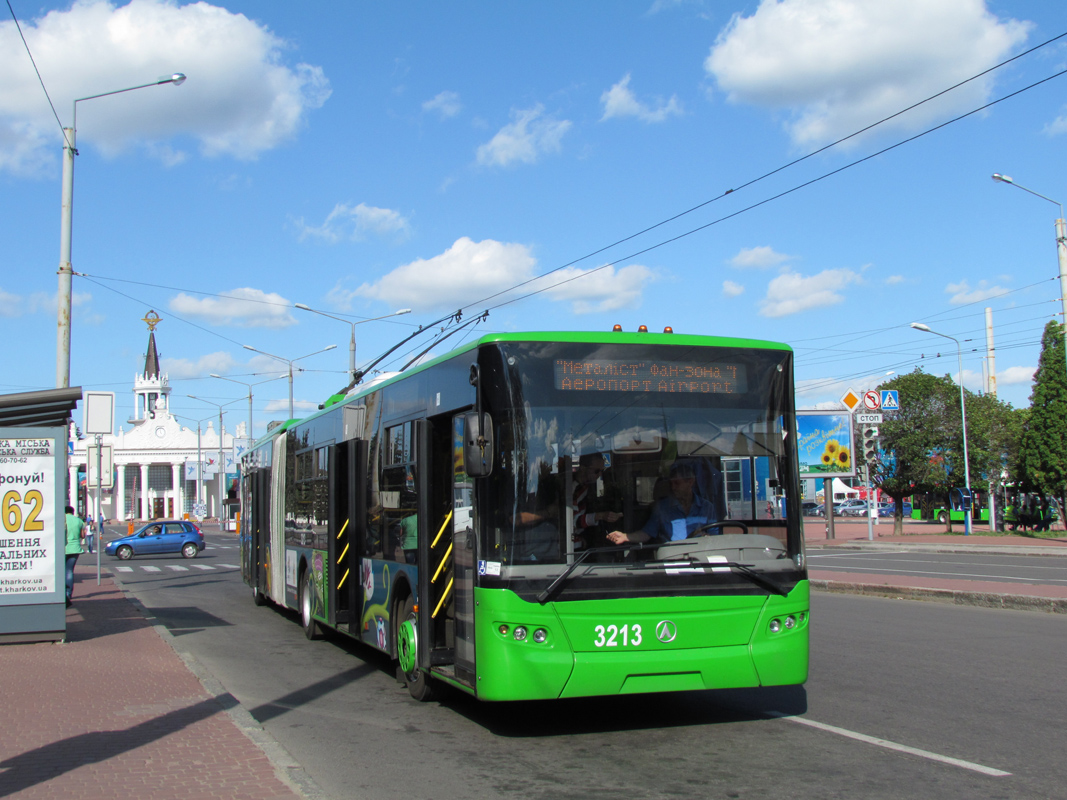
75,537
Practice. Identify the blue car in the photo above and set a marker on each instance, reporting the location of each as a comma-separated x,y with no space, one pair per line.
156,538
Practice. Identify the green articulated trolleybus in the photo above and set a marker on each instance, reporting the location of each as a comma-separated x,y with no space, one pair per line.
442,515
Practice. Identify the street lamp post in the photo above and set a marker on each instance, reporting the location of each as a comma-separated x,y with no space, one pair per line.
251,435
1061,243
222,459
65,271
289,361
352,341
963,416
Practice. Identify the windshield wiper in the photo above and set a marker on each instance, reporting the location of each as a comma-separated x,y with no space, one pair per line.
542,598
745,570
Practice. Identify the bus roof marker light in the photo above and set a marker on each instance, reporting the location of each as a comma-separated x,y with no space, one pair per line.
642,329
616,328
668,329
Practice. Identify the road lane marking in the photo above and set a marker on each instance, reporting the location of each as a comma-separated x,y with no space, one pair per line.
229,566
152,569
906,573
203,566
893,557
900,748
177,567
123,569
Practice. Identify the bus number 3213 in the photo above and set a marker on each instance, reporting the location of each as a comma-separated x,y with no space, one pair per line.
614,635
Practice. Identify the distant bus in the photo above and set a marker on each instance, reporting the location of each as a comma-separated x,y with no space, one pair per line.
430,515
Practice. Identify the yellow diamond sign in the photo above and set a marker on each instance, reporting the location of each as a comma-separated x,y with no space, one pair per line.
851,400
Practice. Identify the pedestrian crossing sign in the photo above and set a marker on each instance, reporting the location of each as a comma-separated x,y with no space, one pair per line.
890,400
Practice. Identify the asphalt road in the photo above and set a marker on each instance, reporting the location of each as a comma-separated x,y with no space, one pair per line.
972,692
1031,570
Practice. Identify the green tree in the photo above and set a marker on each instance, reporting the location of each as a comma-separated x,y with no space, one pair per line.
994,433
918,440
1043,456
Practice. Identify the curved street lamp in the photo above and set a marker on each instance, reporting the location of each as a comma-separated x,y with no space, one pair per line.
1061,242
251,435
65,224
352,341
289,361
963,415
222,458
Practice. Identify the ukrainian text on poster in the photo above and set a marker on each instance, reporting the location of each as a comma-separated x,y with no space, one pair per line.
27,511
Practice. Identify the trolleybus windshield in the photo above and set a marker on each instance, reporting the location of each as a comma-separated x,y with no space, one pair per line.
690,445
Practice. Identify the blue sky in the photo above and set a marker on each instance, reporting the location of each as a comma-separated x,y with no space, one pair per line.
361,158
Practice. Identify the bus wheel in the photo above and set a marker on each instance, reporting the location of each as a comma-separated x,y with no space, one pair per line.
258,597
943,517
419,683
311,627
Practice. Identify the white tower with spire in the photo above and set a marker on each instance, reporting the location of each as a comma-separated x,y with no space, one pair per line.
151,388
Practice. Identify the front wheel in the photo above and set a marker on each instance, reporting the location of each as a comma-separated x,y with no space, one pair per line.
943,517
189,550
258,597
124,553
420,685
310,625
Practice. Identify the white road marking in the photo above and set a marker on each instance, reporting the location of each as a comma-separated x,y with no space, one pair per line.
900,748
904,573
229,566
177,567
152,569
203,566
123,569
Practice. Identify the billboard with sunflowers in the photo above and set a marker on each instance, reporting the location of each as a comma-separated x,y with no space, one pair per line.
824,443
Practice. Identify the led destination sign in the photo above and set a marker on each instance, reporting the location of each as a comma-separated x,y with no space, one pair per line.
621,375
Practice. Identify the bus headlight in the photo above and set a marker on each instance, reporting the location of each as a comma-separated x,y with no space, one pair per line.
520,633
776,625
540,635
790,622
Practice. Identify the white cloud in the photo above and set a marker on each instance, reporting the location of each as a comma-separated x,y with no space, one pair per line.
180,368
240,99
445,103
243,308
592,291
758,257
525,139
894,280
282,406
619,101
961,293
731,289
354,222
839,66
1013,375
465,272
791,292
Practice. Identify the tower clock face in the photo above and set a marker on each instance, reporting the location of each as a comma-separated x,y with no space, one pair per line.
161,432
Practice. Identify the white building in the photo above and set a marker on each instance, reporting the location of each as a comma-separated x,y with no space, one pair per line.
155,457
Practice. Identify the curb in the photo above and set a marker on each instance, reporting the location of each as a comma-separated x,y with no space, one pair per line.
1012,602
288,770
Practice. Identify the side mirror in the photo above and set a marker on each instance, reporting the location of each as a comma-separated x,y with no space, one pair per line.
477,444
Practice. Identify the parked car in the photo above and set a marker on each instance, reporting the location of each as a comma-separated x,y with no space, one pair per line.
810,509
887,509
850,508
155,538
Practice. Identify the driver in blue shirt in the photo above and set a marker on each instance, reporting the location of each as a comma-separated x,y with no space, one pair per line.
676,516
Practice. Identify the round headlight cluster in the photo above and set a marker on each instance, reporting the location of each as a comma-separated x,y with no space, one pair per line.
789,623
520,633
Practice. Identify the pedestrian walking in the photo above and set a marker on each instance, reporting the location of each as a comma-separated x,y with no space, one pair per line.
75,534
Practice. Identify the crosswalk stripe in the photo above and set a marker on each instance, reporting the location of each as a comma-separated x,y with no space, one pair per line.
203,566
123,569
151,569
228,566
177,568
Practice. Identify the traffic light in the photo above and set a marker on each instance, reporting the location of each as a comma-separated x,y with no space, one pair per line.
870,443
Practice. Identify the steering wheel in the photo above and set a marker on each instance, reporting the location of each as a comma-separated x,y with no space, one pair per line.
703,529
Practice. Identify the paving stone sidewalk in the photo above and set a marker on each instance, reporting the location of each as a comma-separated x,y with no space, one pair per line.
114,712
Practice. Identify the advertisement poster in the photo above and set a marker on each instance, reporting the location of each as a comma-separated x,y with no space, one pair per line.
824,443
27,505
